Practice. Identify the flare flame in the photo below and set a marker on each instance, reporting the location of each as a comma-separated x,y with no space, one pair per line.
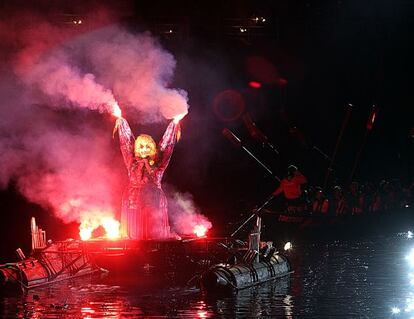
200,230
116,110
109,224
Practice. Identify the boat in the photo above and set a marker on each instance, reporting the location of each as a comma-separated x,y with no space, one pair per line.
254,266
295,226
49,262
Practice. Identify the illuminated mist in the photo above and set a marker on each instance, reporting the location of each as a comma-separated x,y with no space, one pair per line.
53,149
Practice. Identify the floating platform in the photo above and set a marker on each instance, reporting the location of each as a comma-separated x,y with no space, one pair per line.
50,262
58,261
173,254
188,257
68,259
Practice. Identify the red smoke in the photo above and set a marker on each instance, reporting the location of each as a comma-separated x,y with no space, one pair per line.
74,167
185,216
74,68
264,71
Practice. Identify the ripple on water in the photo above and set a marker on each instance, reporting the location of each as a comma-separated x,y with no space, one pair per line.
356,278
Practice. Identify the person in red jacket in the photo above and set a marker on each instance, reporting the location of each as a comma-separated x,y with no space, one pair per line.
291,187
320,204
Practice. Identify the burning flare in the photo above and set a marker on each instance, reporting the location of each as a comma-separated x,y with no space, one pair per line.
116,110
200,230
85,233
176,120
111,227
179,117
109,224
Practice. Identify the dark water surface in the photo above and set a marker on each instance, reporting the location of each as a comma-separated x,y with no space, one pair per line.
365,277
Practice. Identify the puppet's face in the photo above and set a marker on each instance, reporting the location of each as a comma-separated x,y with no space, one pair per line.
145,146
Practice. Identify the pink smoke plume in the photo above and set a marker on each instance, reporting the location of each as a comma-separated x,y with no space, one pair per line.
90,70
66,85
60,160
76,176
137,69
184,214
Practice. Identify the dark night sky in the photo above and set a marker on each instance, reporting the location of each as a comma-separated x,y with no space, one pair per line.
330,52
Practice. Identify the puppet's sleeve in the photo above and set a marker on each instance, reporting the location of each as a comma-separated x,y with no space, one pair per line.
167,143
126,141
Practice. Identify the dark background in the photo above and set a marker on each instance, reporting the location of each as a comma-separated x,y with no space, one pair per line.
312,59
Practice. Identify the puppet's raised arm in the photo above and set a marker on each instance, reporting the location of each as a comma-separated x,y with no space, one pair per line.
167,143
126,141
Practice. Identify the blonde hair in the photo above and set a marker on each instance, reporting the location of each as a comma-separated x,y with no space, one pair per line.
146,139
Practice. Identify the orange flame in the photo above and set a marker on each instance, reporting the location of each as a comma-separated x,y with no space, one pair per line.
111,227
178,134
200,230
109,224
85,233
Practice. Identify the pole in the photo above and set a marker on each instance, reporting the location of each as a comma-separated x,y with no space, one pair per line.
370,124
320,152
357,157
256,133
338,142
255,212
235,140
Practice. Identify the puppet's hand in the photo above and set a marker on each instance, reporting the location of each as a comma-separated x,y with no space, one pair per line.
116,127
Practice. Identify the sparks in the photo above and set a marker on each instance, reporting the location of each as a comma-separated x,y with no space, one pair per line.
200,230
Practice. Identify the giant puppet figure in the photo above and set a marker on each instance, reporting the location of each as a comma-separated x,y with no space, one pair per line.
144,212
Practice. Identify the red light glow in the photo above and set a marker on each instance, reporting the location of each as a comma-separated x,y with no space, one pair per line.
282,82
255,84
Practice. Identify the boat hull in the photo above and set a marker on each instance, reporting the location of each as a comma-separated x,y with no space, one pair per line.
241,276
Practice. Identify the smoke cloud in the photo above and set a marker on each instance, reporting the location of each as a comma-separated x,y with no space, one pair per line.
185,216
57,153
79,72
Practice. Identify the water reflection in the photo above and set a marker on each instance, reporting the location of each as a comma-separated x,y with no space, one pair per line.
350,278
75,299
101,298
288,304
406,310
269,299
